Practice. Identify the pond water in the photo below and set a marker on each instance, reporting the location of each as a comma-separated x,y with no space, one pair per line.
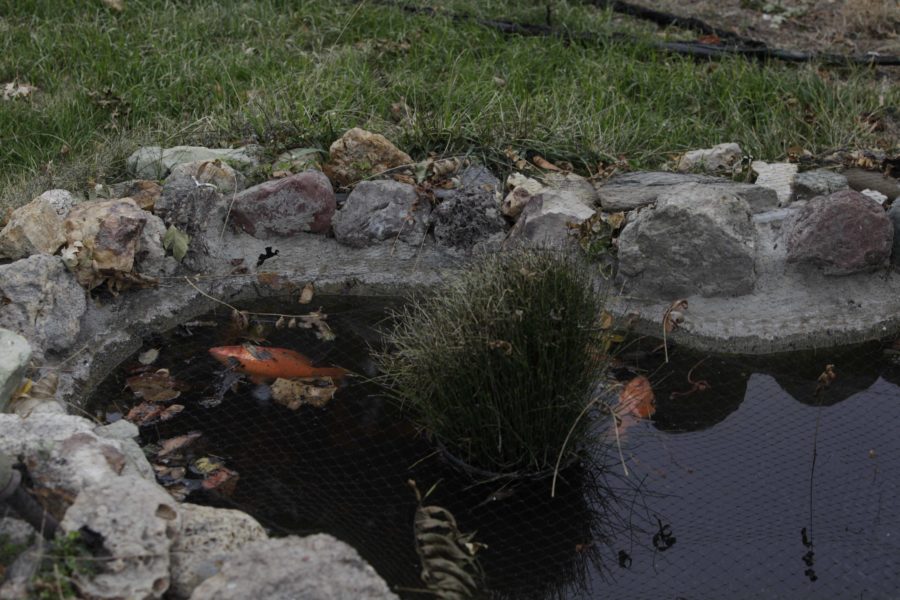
751,485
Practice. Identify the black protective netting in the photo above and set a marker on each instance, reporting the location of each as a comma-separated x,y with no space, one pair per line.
746,483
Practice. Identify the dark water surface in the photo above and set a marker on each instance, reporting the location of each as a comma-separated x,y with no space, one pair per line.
717,501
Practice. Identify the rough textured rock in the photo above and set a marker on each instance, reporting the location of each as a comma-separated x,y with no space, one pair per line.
42,302
700,242
104,240
573,186
317,567
127,435
35,228
469,213
150,257
383,210
300,203
894,216
778,177
145,193
359,154
62,201
860,179
711,160
212,172
154,162
635,190
819,182
843,233
138,522
15,531
207,537
546,218
15,353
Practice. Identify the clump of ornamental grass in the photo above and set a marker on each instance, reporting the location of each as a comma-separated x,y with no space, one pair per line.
500,363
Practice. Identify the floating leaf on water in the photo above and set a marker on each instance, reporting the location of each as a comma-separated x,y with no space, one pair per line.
176,444
637,398
158,386
316,320
240,319
292,324
280,323
149,357
306,295
294,393
148,413
223,481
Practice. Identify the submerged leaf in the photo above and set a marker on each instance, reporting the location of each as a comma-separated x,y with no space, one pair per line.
175,444
223,481
306,295
637,398
294,393
158,386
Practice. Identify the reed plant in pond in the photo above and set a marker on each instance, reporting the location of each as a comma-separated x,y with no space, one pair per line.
500,362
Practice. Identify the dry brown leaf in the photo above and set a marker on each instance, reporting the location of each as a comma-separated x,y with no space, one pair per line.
175,444
637,398
294,393
542,163
148,413
13,89
158,386
674,315
306,295
222,481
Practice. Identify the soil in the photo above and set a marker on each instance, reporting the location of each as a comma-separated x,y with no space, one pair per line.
833,26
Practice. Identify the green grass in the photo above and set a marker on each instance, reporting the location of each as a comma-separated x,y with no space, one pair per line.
500,363
300,73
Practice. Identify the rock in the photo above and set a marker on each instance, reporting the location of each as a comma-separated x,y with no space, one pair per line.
128,435
384,210
297,160
317,567
154,162
875,195
776,176
138,522
208,536
359,154
300,203
15,354
894,216
16,532
104,240
42,302
719,158
545,222
860,179
469,213
574,186
212,172
843,233
635,190
696,240
150,257
520,190
35,228
144,192
62,201
819,182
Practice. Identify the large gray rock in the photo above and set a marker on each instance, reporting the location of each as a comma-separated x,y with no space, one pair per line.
719,158
154,162
840,234
382,210
696,240
317,567
62,201
300,203
861,179
42,301
35,228
208,536
778,177
127,435
635,190
894,216
138,521
819,182
547,218
15,353
469,213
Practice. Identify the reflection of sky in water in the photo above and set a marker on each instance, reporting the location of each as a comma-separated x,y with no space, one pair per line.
737,497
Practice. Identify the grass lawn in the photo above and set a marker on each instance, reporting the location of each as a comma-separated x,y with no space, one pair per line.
288,73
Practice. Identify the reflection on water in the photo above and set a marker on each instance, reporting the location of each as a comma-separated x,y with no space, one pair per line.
717,501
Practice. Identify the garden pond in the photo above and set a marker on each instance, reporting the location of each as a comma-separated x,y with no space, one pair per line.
756,477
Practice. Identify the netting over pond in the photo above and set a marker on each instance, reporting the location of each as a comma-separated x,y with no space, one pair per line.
752,479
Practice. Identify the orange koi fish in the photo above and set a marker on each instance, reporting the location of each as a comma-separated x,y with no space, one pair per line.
271,363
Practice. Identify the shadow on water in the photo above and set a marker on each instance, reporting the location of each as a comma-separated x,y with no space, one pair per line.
723,469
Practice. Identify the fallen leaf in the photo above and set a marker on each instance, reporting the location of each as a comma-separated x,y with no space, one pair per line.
206,465
14,89
221,480
674,316
149,357
294,393
542,163
177,241
148,413
306,295
175,444
316,320
158,386
637,398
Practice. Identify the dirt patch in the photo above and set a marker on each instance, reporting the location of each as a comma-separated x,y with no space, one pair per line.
835,26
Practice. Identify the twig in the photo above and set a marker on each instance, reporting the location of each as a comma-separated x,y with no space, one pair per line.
618,443
234,308
566,443
230,204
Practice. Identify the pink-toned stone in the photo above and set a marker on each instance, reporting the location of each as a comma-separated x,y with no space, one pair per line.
842,233
300,203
